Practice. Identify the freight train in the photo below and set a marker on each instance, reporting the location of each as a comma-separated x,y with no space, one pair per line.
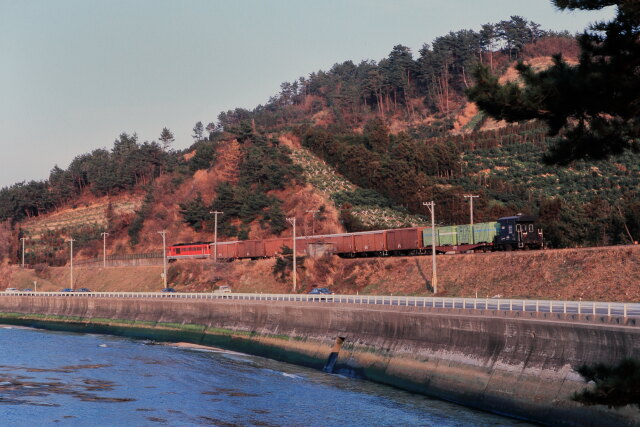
508,233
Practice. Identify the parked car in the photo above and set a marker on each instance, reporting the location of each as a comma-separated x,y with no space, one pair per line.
84,290
66,290
320,291
224,289
11,290
168,290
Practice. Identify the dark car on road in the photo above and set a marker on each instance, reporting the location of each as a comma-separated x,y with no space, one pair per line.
66,290
84,290
168,290
320,291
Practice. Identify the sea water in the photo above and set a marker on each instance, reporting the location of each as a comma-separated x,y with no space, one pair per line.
72,379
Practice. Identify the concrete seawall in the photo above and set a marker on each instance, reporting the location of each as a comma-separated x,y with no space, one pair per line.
517,366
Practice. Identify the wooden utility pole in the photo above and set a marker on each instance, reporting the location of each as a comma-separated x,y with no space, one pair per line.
71,264
471,197
434,275
164,256
313,213
215,234
23,239
104,249
292,221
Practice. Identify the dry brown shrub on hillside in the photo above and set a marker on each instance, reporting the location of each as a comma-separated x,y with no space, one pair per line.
42,270
467,113
320,272
7,241
548,46
92,250
298,201
120,248
228,162
290,141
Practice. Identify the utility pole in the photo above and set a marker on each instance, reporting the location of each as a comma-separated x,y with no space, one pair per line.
23,239
215,235
313,213
164,256
471,197
292,221
434,275
71,264
104,249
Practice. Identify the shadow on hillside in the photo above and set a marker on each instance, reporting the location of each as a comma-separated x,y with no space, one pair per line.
427,282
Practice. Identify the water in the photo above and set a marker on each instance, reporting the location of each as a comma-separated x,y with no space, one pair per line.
94,380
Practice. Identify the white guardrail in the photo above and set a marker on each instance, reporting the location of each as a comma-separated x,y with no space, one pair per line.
522,305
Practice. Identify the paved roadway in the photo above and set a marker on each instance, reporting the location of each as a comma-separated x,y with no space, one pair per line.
543,306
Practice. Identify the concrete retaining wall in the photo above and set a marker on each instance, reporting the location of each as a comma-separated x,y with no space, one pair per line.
517,366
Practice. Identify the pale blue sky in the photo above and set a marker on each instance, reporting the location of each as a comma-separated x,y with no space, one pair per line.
74,74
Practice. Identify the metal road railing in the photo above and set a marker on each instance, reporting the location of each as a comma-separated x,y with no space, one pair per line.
521,305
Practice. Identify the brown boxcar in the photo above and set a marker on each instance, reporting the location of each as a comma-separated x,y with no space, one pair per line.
259,248
370,241
273,247
301,244
341,243
226,250
245,249
404,239
251,249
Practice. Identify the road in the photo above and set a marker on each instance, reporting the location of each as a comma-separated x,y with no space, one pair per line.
522,305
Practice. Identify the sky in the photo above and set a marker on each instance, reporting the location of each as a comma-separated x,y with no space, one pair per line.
74,74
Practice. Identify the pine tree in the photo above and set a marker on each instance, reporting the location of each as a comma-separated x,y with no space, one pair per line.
198,131
166,136
195,212
595,105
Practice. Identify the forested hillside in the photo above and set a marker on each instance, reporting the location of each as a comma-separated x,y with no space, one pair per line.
386,135
424,93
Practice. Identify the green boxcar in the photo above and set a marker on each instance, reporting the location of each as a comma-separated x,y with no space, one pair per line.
426,237
484,232
465,237
448,235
